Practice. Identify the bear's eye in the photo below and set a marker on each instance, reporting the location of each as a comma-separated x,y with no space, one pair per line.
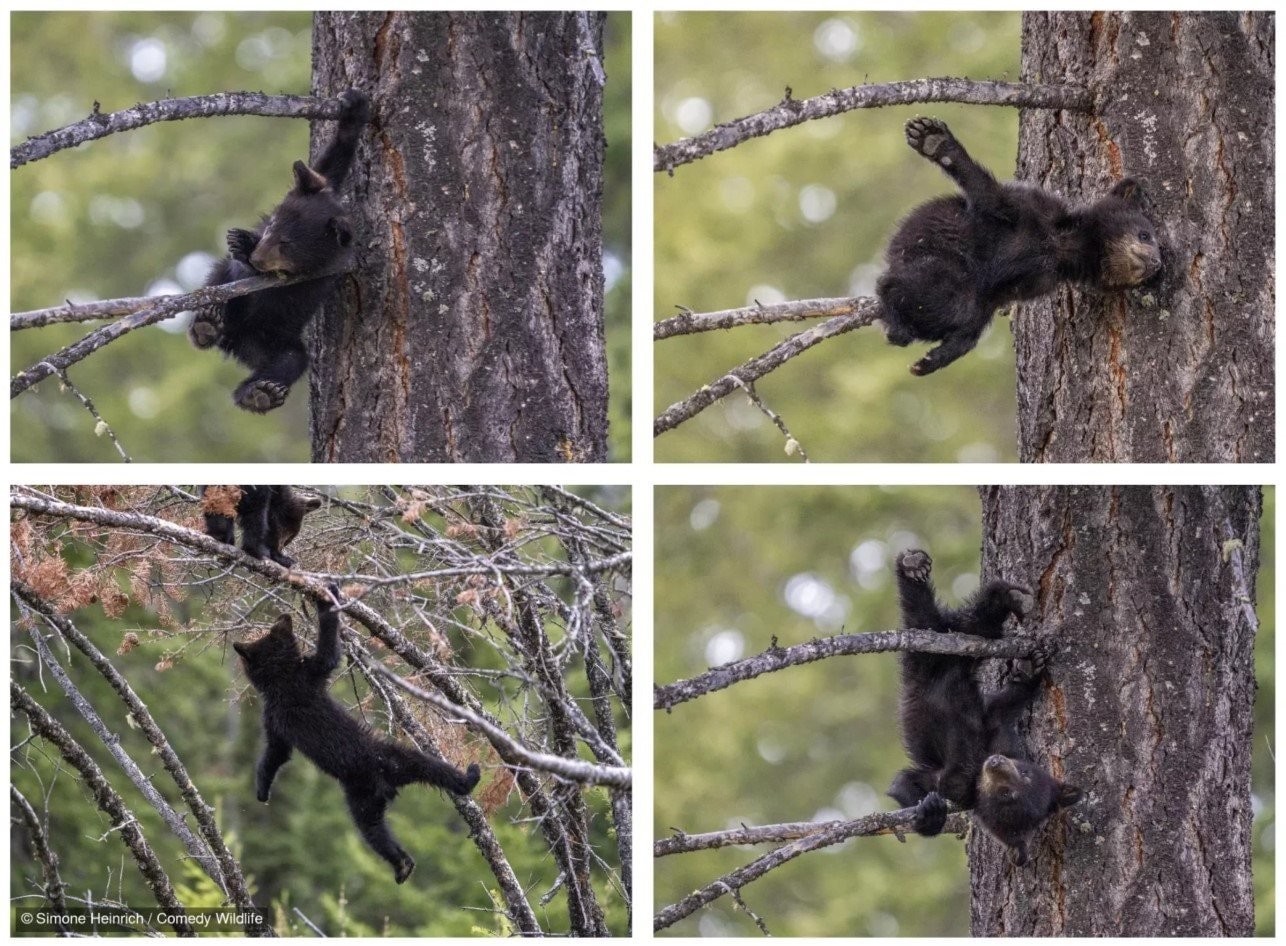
1145,236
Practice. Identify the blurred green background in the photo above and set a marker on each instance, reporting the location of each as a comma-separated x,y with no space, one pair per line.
146,211
301,851
805,213
821,742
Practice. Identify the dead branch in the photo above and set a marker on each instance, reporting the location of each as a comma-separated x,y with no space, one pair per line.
683,843
54,886
227,874
841,645
690,323
109,802
79,312
790,111
517,754
162,308
882,823
757,367
98,125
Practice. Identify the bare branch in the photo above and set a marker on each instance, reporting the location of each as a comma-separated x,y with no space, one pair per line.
98,125
55,887
790,112
79,312
690,323
164,307
757,367
841,645
123,821
682,843
573,770
882,823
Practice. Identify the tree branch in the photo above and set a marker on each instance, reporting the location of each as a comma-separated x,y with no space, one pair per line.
690,323
882,823
123,821
841,645
228,873
162,308
790,112
863,314
79,312
54,886
98,125
574,770
682,843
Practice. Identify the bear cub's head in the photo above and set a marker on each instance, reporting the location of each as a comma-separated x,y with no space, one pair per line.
288,514
271,657
1015,797
1128,240
308,232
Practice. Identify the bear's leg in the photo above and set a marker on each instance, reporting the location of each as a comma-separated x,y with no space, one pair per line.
266,389
915,592
933,139
954,346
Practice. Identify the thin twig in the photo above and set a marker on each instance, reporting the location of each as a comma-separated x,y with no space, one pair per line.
163,307
790,112
841,645
757,367
98,125
793,446
690,323
100,426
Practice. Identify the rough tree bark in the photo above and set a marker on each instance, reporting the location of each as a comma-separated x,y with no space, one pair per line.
1183,372
473,330
1149,595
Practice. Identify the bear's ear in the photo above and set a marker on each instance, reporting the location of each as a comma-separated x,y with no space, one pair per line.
342,231
240,648
307,181
284,627
1068,795
1130,191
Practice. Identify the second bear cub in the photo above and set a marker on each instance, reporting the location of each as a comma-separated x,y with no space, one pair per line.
962,744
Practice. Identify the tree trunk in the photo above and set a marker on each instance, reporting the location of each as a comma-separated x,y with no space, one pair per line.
1148,594
1181,372
473,329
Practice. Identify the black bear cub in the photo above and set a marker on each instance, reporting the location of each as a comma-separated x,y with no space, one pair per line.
298,713
270,517
307,233
962,744
955,260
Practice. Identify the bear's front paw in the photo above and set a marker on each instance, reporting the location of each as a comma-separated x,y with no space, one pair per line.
241,243
260,397
357,107
930,815
928,136
1019,600
915,565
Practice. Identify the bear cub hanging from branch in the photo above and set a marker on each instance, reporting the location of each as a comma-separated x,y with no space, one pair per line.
962,744
270,517
298,713
955,260
309,232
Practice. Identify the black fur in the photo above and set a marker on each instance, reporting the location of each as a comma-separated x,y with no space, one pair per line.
270,517
298,713
955,260
962,744
307,233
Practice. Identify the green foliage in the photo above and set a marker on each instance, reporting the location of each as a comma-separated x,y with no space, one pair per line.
150,207
806,213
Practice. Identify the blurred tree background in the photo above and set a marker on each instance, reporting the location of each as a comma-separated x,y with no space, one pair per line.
302,850
146,211
820,742
805,213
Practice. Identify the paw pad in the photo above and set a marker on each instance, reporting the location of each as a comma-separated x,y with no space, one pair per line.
205,329
915,565
261,396
927,136
1021,601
